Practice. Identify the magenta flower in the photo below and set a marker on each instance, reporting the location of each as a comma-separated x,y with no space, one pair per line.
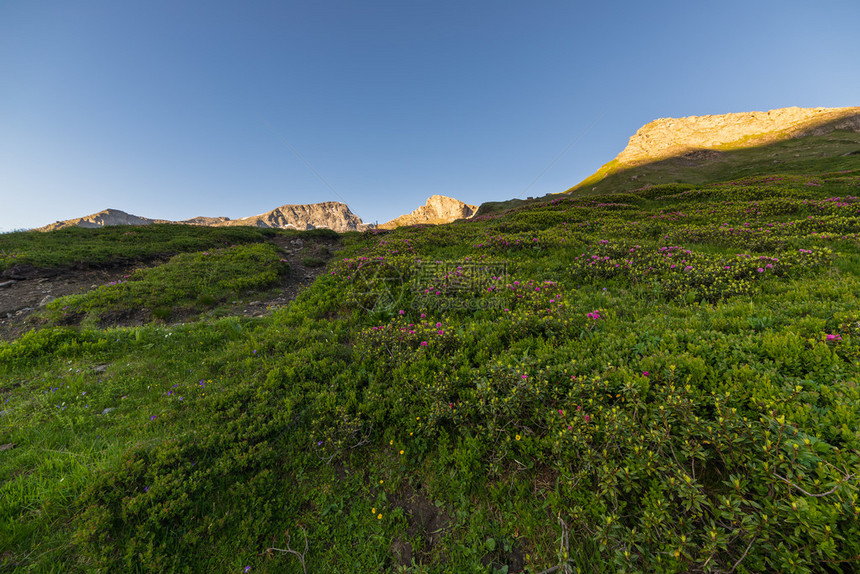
423,343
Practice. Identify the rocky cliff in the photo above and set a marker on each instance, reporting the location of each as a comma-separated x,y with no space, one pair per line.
671,137
438,209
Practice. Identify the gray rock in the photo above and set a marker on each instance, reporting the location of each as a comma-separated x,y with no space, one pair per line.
7,283
46,299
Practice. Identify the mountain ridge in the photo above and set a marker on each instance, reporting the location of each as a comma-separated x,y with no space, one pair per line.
328,214
670,137
333,215
659,151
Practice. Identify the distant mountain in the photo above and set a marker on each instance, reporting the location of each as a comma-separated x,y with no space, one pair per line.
438,209
102,219
697,149
330,214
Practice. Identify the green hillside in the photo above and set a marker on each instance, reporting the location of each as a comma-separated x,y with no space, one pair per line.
658,380
835,151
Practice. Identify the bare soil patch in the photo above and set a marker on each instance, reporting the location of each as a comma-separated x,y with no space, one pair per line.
28,288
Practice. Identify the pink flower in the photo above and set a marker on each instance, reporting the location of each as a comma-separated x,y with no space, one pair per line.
402,312
561,412
423,343
587,418
644,373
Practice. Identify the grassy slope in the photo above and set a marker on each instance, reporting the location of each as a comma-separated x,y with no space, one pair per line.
666,380
807,155
80,247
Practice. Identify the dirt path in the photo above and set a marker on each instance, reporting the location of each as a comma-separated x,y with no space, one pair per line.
24,290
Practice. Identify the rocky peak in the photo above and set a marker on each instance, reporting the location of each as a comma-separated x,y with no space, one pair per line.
330,214
671,137
438,209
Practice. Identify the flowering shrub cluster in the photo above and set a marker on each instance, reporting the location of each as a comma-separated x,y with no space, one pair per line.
680,272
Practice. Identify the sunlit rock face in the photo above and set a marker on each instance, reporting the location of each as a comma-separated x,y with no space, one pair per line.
672,137
438,209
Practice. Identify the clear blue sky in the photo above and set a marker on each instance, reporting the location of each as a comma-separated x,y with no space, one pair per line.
173,109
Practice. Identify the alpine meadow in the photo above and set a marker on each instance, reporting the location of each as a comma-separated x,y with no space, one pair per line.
640,375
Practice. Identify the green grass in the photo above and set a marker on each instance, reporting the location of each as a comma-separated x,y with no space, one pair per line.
188,283
75,246
468,398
